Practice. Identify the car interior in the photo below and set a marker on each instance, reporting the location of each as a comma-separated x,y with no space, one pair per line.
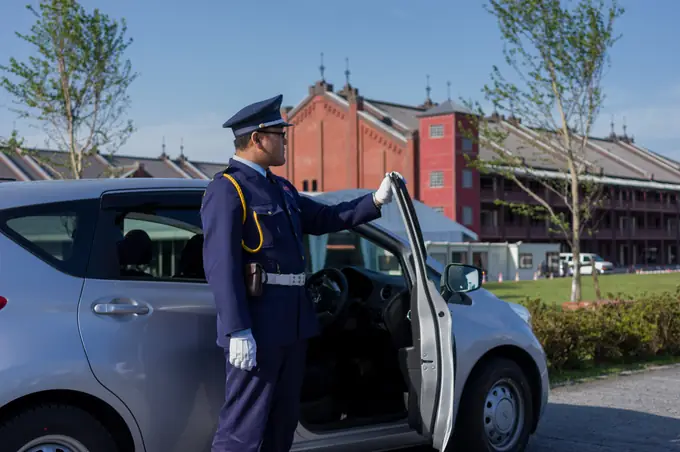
356,367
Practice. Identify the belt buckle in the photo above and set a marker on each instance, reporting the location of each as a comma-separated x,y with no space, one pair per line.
298,279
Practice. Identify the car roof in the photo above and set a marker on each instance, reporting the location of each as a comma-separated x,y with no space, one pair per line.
14,194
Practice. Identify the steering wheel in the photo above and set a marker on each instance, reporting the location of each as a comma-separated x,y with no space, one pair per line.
329,291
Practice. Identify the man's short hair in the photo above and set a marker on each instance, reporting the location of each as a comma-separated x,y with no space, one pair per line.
241,142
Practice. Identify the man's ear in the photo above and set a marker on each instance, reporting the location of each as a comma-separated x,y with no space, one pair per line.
255,138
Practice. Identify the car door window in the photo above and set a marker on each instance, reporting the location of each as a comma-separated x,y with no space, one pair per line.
157,245
347,248
157,241
434,276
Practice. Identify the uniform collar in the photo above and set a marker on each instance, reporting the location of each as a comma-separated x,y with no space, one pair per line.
250,164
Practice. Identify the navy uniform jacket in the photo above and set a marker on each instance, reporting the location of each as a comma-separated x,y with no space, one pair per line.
282,314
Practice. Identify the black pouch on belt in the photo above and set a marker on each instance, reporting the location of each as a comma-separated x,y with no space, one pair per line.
255,277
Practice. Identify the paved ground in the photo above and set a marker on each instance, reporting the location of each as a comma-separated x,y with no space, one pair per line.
640,413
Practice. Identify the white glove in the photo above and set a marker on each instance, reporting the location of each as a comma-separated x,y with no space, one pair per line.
242,350
384,193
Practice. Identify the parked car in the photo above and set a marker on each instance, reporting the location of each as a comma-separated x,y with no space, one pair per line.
107,328
587,260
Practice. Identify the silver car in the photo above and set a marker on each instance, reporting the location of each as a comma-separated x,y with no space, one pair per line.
107,332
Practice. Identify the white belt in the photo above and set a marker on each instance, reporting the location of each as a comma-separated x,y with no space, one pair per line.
293,279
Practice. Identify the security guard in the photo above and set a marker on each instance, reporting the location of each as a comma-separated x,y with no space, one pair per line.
254,261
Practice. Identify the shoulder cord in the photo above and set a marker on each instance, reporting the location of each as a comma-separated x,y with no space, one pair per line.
243,204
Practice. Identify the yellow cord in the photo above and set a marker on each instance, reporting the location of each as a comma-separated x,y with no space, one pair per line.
243,204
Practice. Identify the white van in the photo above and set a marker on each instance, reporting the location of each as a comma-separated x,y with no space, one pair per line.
587,260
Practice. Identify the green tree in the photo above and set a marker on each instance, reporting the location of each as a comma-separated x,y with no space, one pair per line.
11,142
558,50
75,85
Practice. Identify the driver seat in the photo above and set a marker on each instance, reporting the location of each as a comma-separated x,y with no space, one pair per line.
396,321
395,317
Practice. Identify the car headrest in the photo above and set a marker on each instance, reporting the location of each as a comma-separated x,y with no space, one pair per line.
135,249
191,261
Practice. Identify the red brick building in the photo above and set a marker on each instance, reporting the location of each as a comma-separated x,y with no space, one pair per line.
344,140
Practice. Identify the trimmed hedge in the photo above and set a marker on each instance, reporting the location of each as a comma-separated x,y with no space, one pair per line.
608,333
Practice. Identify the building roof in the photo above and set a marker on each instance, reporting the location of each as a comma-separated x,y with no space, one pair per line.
615,157
446,108
49,164
435,226
404,114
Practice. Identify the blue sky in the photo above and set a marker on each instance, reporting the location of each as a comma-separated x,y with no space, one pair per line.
201,61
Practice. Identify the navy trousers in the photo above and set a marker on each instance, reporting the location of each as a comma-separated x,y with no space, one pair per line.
261,407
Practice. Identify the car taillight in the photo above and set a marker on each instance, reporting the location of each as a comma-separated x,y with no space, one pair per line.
3,302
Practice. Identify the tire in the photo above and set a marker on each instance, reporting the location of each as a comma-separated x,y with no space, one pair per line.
71,428
479,415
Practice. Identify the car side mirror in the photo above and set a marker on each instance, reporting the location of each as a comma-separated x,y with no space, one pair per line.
461,278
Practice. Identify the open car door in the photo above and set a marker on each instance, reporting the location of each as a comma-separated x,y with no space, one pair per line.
430,364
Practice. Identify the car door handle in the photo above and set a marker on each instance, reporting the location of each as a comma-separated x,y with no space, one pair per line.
120,309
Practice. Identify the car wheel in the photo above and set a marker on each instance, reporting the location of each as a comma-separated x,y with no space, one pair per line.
50,428
496,412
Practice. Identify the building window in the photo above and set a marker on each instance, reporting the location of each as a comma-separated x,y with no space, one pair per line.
436,179
467,215
480,259
467,178
458,257
439,257
467,145
436,131
438,209
305,185
489,218
314,186
526,260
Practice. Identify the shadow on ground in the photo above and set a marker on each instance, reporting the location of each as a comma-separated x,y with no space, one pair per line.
572,428
586,428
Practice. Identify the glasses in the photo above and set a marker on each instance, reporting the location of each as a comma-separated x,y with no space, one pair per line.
272,132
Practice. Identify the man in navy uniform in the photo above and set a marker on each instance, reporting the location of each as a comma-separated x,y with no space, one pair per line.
254,260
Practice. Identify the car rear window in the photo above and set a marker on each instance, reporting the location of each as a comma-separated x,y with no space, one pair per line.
53,234
58,233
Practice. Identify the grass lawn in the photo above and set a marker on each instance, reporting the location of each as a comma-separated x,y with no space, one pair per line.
558,290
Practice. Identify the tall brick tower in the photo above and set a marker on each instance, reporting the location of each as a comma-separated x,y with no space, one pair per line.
447,183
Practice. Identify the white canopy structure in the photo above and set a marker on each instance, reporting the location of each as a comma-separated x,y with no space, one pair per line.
435,226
